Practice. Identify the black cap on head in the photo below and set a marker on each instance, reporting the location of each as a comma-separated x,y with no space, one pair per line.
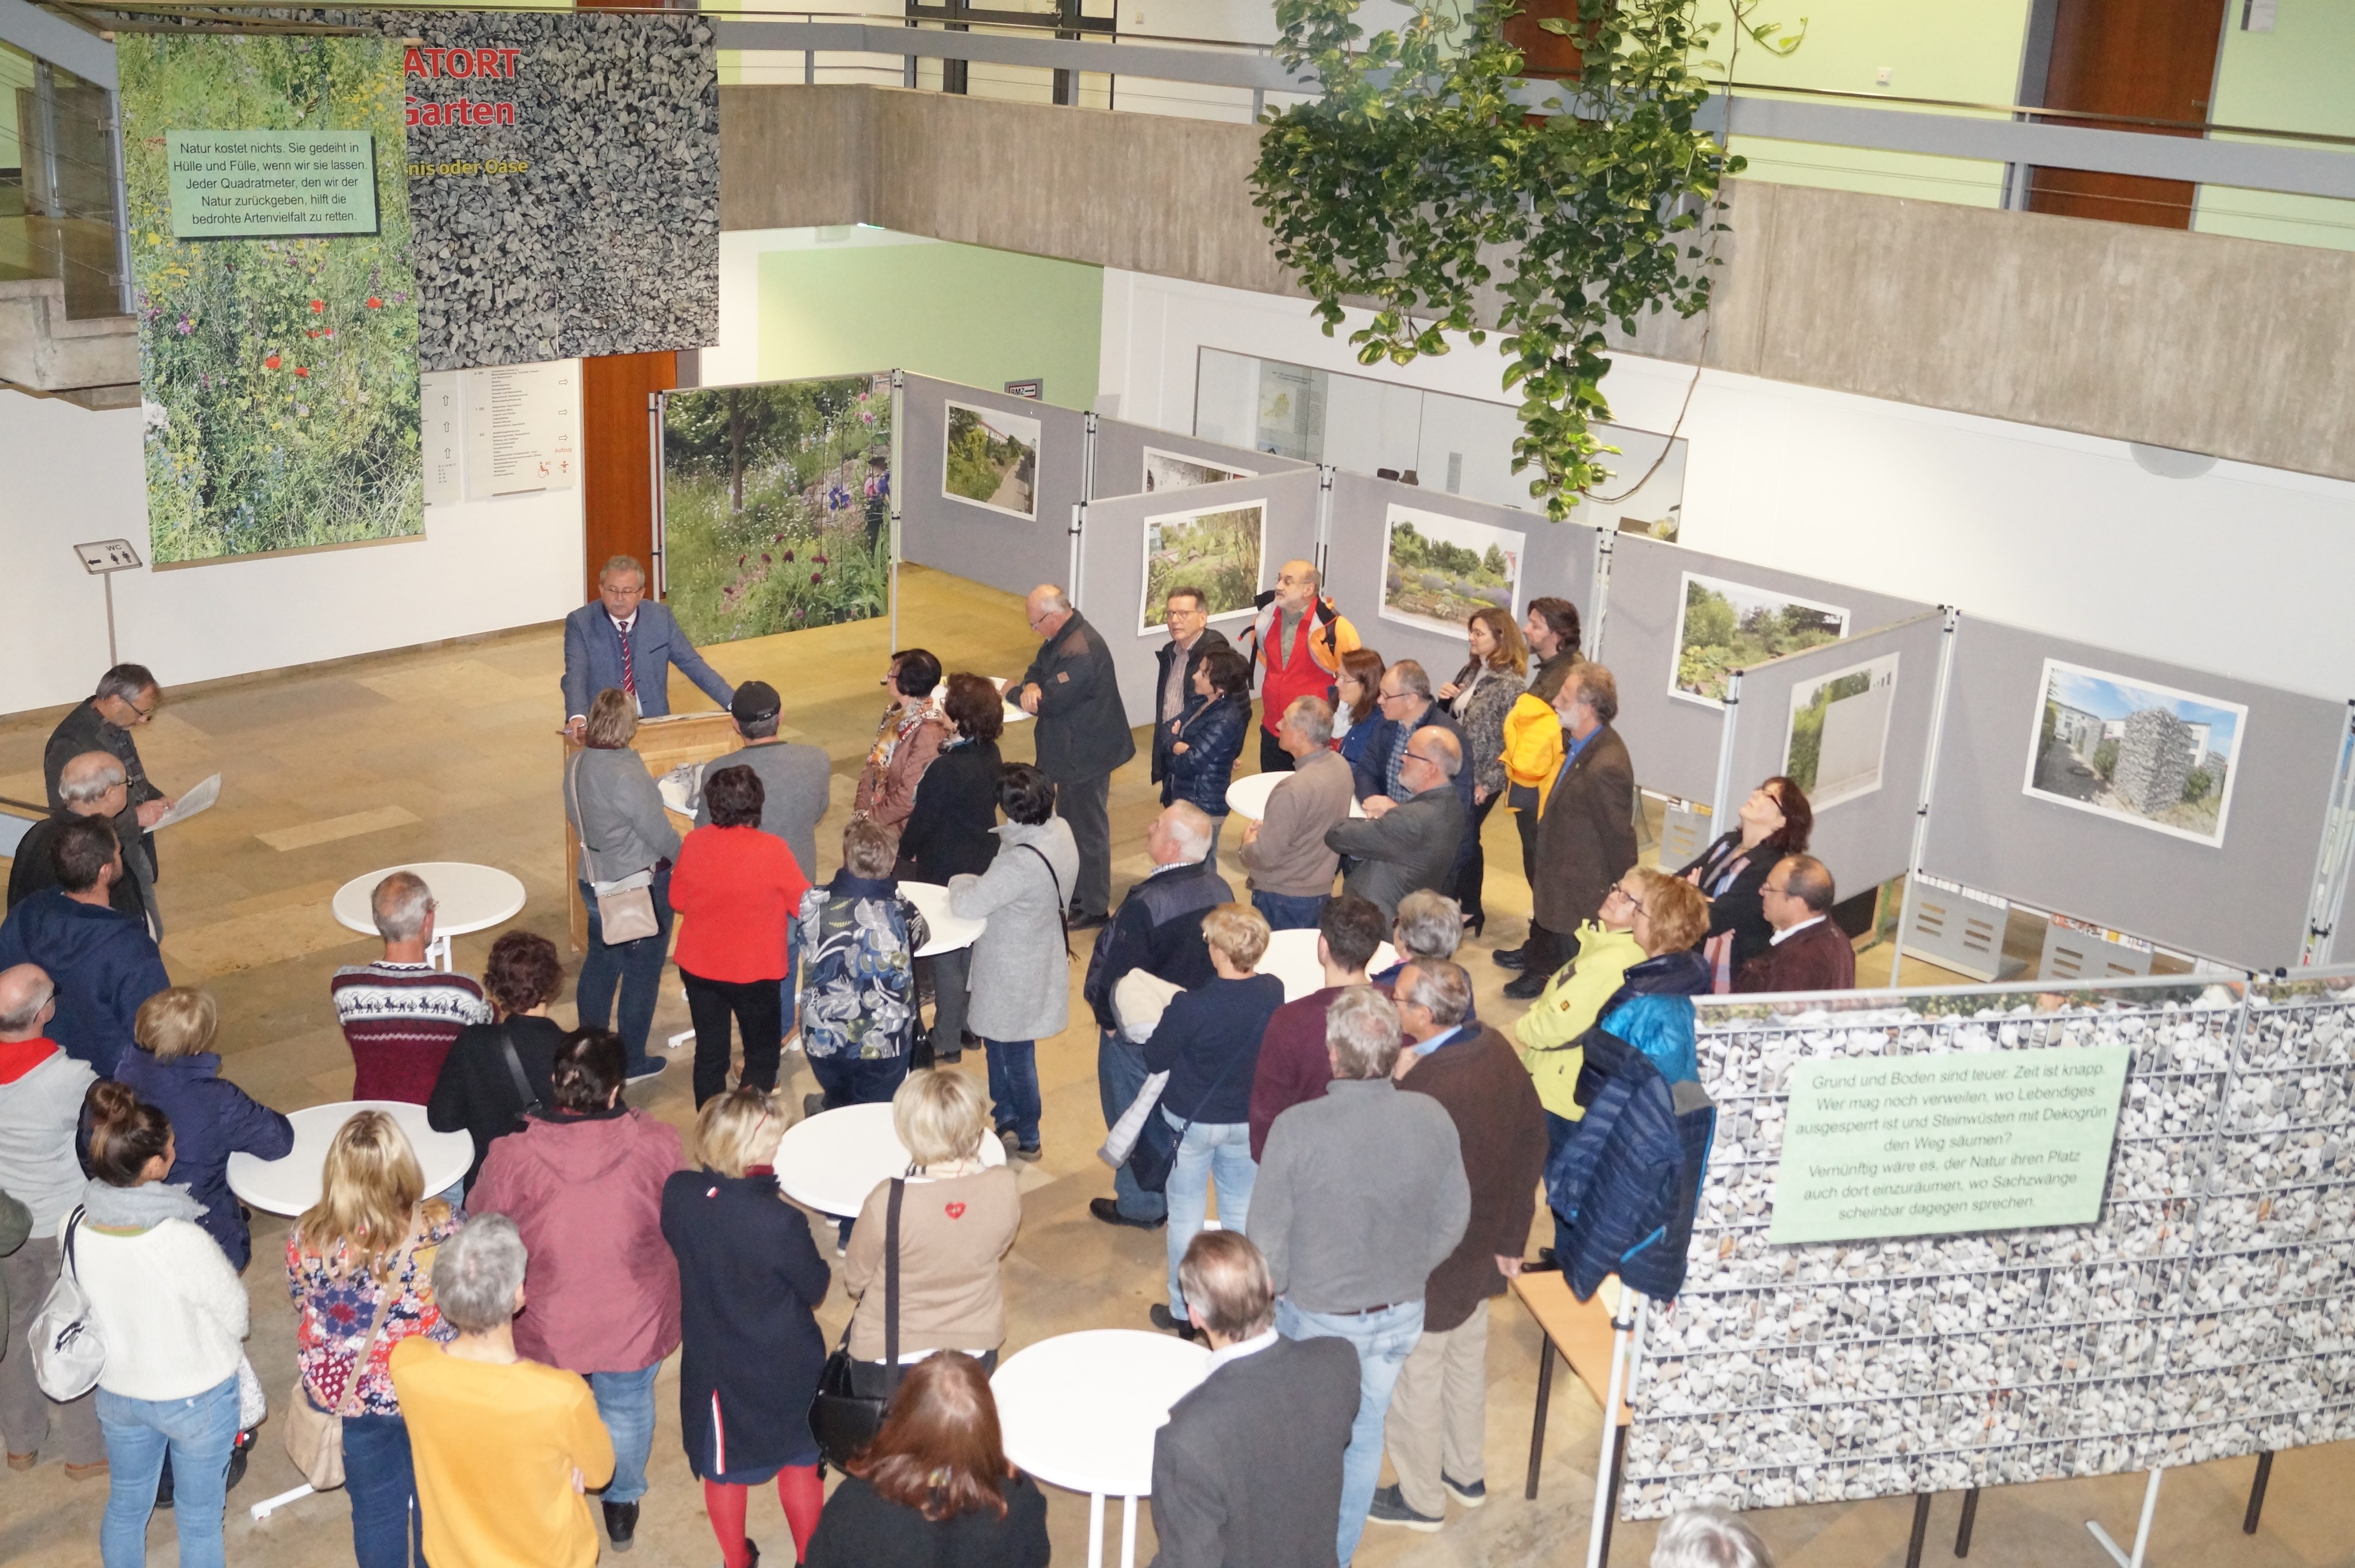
755,700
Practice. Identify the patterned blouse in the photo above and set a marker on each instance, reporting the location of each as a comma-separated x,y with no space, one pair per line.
334,1306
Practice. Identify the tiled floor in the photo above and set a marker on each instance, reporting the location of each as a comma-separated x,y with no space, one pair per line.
450,753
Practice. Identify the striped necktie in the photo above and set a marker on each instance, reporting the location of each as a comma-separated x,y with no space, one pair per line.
629,674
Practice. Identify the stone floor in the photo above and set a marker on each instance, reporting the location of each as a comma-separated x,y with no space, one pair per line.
450,753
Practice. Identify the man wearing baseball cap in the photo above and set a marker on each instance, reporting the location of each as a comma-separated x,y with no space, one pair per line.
793,778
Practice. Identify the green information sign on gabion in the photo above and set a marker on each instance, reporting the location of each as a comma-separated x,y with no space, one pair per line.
1922,1145
239,185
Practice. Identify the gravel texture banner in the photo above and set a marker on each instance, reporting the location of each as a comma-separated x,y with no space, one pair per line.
2208,1313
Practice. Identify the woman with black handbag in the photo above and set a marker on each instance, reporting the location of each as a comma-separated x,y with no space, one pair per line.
750,1351
498,1073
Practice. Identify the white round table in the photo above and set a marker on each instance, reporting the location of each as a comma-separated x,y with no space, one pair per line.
291,1185
1247,796
466,898
1291,957
946,932
1078,1411
833,1160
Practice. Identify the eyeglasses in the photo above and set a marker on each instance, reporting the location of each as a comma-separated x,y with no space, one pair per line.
1393,696
1175,613
1783,891
144,714
1633,901
1427,761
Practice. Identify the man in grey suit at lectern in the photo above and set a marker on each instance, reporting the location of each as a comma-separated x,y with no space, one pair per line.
623,640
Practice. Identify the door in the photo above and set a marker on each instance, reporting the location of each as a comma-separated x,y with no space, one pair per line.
617,504
2152,59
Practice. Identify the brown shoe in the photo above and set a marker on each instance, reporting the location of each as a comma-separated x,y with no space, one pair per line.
22,1461
89,1472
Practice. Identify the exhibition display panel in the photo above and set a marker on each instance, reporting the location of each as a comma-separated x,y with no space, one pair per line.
1136,459
991,483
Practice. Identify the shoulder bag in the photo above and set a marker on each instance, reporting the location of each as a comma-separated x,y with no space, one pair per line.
525,1100
1061,913
1157,1141
69,1353
843,1420
315,1437
626,909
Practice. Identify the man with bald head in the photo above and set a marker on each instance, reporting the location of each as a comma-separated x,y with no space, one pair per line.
1408,843
400,1014
1082,736
90,785
1298,638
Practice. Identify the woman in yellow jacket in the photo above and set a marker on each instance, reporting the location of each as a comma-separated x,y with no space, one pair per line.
1533,749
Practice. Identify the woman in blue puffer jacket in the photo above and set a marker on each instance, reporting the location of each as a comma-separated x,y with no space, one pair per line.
1209,736
1652,1009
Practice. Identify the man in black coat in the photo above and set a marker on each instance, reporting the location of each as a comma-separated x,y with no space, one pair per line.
1247,1472
91,784
127,696
1191,640
1083,735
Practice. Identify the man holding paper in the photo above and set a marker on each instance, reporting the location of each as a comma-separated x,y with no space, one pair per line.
127,696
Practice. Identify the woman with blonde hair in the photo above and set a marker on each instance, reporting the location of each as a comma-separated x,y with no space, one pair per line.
957,1223
176,1070
359,1264
1481,694
749,1277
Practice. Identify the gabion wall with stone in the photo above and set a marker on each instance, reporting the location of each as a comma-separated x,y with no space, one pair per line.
2209,1313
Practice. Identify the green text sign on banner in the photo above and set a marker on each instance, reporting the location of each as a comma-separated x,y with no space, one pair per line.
1926,1145
239,185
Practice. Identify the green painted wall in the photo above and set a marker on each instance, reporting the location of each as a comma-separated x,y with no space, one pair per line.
2292,78
958,312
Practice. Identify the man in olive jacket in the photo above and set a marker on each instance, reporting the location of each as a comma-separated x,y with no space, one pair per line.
1586,834
1082,736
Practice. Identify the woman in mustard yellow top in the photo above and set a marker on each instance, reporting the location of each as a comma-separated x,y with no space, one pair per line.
506,1449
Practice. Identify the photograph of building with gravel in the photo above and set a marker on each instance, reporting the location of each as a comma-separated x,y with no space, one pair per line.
2157,757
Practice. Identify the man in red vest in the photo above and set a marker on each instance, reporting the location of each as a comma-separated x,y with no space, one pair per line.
1299,639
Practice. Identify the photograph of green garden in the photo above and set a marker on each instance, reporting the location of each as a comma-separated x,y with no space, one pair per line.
776,506
1839,731
278,373
992,460
1219,551
1724,627
1437,569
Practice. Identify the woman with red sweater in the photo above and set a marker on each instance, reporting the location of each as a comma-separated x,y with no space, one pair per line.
736,889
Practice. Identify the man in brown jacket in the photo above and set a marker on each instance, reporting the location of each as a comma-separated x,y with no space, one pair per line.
1438,1414
1586,834
1808,953
1291,870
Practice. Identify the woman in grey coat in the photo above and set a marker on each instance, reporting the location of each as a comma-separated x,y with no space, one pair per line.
1021,963
613,804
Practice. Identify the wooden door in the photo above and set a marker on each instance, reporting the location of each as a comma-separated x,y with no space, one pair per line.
2150,58
616,479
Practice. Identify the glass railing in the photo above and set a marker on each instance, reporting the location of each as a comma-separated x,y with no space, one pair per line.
57,183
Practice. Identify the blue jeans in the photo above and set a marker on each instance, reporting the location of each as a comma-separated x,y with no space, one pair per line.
1209,1150
1560,1130
1014,1087
625,1404
388,1530
1120,1074
849,1080
196,1434
1384,1339
635,967
1290,911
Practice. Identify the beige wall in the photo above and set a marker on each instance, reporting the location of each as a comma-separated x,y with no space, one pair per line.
2222,346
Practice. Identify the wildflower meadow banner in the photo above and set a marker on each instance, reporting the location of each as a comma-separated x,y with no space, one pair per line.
270,240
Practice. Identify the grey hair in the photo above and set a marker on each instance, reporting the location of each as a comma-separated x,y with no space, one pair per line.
1057,603
477,1273
1450,749
1441,988
125,682
1190,825
20,1018
1313,717
1412,678
1361,1027
84,780
621,563
1708,1538
1430,924
398,906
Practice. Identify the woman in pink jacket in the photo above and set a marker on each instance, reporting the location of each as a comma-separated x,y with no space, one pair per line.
583,1183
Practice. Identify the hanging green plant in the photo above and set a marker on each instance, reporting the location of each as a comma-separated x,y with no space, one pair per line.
1420,176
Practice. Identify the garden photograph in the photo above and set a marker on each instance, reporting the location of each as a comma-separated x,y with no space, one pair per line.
1724,627
1438,570
1217,552
991,459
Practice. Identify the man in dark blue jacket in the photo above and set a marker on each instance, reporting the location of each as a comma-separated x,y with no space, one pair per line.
1159,930
104,962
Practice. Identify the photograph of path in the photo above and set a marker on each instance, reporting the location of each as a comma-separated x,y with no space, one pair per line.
1176,471
1437,569
992,460
1218,551
2147,754
1725,626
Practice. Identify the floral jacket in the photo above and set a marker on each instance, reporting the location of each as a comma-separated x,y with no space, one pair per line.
860,936
334,1306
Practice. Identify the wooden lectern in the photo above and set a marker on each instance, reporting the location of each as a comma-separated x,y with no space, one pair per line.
662,744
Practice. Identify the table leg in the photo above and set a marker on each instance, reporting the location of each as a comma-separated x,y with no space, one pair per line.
269,1505
1096,1530
1920,1529
438,955
1970,1518
1128,1532
1536,1427
2257,1492
2142,1530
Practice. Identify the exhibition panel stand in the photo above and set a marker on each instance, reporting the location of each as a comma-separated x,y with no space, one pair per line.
1137,460
2067,777
1004,513
1227,538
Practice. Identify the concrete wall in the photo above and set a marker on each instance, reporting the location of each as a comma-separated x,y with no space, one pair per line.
2196,341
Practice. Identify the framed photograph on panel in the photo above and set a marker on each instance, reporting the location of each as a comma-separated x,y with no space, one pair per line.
1437,569
1724,626
1839,731
2144,753
1176,471
1216,551
991,459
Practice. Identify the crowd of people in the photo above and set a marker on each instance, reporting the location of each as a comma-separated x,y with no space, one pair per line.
477,1365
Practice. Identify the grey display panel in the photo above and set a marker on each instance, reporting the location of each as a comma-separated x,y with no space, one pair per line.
992,547
2243,901
1120,456
1866,838
1111,589
1557,560
1673,741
